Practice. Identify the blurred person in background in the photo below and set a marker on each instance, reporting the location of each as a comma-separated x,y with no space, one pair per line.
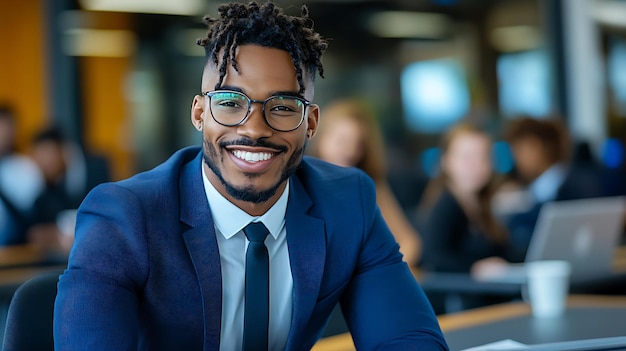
48,151
460,232
20,183
349,136
85,170
69,174
543,172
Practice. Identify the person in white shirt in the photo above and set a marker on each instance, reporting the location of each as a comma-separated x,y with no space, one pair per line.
20,183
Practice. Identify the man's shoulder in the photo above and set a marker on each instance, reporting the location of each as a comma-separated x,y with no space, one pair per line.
334,185
336,194
316,172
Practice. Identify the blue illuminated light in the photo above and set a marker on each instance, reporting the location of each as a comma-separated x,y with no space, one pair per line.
503,162
612,154
434,95
430,160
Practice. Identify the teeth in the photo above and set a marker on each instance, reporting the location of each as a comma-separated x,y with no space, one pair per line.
252,156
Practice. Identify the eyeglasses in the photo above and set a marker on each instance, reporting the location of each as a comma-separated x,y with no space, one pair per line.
281,113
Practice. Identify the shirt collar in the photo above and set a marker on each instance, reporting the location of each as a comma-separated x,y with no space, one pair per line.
545,187
230,219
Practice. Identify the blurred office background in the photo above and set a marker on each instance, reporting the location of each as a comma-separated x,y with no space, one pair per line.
118,76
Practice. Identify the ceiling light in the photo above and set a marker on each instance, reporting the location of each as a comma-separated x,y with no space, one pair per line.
170,7
611,13
99,42
515,38
401,24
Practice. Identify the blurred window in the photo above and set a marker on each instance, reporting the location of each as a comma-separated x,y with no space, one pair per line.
434,94
617,73
524,84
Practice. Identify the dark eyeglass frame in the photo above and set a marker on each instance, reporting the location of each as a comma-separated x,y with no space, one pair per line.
210,94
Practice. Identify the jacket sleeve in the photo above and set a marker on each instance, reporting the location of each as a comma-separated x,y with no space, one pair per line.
383,305
97,305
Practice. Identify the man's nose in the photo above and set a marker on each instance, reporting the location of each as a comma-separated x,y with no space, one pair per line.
255,126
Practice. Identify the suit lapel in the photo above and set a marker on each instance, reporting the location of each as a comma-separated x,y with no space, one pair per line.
202,247
306,241
307,252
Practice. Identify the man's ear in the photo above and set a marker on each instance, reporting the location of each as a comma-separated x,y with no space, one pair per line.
197,112
312,119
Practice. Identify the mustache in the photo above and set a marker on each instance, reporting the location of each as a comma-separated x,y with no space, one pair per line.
253,143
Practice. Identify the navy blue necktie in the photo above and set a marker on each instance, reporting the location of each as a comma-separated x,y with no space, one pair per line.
257,299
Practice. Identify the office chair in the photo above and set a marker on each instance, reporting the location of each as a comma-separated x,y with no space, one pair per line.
29,320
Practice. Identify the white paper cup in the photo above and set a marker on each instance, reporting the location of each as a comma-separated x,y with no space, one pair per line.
548,286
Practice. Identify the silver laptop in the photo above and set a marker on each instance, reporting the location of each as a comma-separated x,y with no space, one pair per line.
584,232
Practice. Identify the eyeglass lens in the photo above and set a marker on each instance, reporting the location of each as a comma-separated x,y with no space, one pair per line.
281,112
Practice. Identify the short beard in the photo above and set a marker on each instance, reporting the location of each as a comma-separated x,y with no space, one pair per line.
248,194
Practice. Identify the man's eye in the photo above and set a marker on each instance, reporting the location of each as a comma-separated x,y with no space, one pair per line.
229,103
282,108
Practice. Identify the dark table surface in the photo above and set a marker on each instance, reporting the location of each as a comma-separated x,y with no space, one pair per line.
576,324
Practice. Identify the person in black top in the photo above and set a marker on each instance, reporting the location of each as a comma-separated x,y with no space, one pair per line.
460,233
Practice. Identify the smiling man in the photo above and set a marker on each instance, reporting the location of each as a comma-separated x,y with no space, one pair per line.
243,244
256,145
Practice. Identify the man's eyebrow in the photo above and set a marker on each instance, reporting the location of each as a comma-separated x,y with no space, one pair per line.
275,93
228,87
287,93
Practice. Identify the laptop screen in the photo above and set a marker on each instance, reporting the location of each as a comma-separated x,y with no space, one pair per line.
583,232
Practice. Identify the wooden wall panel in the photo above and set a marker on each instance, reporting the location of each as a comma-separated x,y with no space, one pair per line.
107,121
22,65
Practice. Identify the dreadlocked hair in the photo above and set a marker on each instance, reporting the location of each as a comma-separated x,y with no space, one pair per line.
264,25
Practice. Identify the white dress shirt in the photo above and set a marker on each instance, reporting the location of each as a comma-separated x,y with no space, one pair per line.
232,243
21,182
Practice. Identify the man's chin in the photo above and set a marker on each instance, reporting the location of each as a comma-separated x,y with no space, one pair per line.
250,193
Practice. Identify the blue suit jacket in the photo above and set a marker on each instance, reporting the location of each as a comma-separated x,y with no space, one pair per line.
144,272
